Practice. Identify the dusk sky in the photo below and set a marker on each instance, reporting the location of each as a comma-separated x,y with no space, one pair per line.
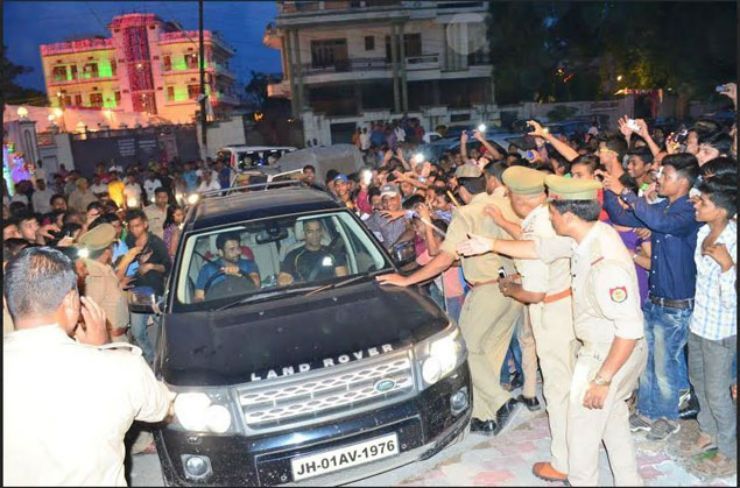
27,24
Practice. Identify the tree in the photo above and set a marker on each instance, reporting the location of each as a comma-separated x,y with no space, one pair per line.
256,89
689,47
13,94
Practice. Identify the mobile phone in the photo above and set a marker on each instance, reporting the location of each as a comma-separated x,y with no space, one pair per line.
721,88
501,272
632,124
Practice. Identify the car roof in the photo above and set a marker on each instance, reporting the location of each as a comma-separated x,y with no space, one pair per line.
239,207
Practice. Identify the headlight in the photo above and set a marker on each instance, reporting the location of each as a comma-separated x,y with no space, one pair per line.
203,412
440,355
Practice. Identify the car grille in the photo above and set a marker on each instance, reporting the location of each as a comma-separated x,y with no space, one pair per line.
328,392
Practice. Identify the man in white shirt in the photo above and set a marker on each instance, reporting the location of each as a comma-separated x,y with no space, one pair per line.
132,192
150,185
208,181
41,198
99,188
55,364
364,140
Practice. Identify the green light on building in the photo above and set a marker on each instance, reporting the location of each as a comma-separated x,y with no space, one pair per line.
69,73
109,99
181,93
179,63
104,68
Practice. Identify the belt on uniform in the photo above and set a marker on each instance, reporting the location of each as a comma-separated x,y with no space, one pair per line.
481,283
118,332
665,302
557,296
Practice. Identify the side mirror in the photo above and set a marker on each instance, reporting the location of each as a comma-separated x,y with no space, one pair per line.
143,300
404,253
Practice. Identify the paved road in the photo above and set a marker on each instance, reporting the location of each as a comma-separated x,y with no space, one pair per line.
505,459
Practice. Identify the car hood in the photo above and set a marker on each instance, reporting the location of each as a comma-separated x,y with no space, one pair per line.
285,336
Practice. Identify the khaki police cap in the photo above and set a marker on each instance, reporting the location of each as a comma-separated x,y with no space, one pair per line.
468,170
98,238
561,188
524,181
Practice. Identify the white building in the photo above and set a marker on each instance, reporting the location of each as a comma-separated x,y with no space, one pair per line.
342,69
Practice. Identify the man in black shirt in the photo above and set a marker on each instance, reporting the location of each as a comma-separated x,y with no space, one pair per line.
154,266
312,262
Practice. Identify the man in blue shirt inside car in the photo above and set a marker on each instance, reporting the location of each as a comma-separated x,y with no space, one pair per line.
231,263
672,281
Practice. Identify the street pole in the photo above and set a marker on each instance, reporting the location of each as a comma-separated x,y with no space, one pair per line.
201,60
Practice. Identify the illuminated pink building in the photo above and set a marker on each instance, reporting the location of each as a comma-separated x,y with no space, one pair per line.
148,65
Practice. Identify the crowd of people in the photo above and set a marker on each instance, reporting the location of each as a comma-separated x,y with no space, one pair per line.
607,260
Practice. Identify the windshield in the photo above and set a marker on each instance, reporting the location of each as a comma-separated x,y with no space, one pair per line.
273,255
249,159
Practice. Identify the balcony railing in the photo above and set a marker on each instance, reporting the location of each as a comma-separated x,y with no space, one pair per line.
75,46
426,61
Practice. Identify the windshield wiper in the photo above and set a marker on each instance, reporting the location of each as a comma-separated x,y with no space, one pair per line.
353,279
261,294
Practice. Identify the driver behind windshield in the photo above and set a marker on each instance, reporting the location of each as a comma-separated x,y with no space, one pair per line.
230,263
312,261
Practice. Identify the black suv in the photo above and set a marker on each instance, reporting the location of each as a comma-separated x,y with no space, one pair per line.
290,362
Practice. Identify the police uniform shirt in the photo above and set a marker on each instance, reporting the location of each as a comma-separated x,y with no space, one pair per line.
67,407
102,285
536,275
606,297
305,265
471,219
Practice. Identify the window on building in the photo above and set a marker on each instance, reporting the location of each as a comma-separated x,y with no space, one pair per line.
78,100
412,45
170,93
167,63
193,92
73,72
329,52
113,67
191,60
67,101
117,96
90,70
369,43
96,100
59,73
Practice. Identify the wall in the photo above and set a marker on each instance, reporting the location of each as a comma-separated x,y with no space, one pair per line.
224,133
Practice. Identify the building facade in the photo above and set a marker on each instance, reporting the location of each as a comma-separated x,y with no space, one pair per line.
147,65
347,63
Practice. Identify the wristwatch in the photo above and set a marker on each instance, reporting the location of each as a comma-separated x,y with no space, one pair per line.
599,381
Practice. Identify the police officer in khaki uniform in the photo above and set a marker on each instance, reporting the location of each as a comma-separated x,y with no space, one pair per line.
101,283
68,398
546,288
487,319
607,320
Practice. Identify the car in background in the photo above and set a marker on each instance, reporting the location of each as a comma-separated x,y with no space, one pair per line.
243,158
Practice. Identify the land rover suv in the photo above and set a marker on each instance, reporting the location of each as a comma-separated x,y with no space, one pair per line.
295,369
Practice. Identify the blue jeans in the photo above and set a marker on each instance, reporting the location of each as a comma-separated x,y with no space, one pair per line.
666,373
514,353
454,307
141,334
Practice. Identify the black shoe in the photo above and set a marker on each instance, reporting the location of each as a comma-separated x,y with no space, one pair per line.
689,412
506,413
487,427
533,404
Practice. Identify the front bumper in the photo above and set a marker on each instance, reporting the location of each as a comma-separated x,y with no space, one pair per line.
424,424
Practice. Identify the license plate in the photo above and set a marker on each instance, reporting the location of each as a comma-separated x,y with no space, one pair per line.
344,457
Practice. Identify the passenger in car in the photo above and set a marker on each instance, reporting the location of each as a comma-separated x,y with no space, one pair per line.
312,261
230,263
